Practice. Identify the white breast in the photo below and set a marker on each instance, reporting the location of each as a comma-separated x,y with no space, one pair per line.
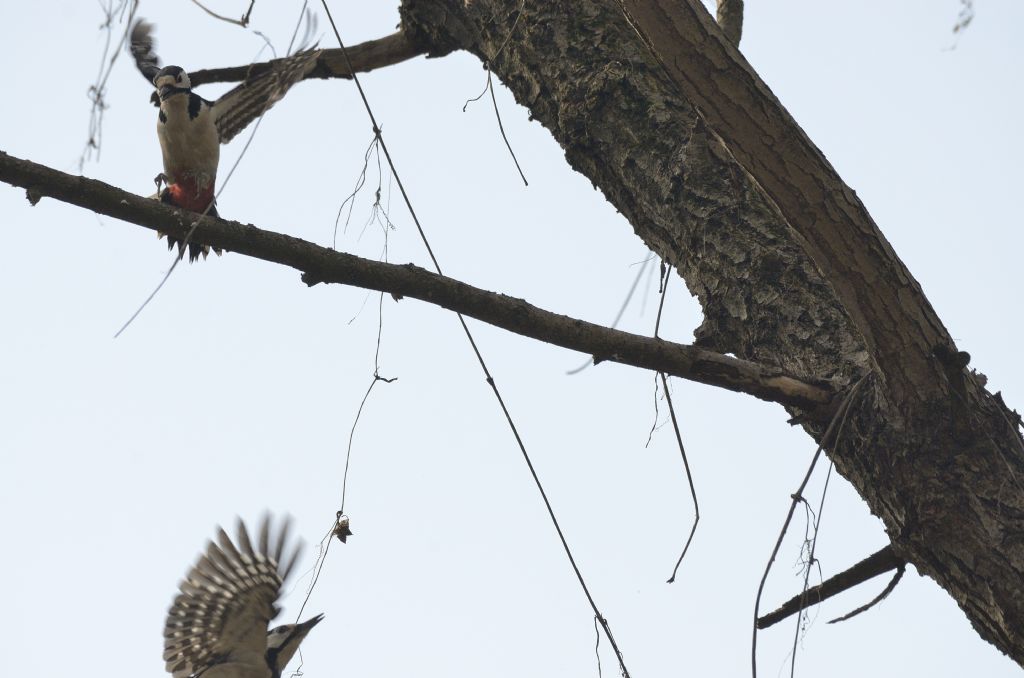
190,146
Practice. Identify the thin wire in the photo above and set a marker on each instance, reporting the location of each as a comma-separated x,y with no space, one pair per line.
689,478
840,418
489,87
295,33
675,427
501,128
376,378
319,566
618,316
476,351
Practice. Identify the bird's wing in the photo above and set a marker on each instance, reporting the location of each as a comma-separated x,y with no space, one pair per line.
226,601
240,106
142,47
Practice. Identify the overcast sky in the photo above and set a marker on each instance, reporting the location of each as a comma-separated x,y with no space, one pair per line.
235,390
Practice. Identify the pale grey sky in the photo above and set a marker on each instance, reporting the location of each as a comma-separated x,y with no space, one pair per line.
234,391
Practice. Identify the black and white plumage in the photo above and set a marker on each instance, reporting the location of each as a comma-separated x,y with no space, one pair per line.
217,624
191,128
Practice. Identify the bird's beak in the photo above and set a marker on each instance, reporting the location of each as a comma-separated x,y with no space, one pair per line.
305,627
165,92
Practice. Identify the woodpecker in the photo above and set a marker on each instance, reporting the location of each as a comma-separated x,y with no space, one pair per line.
217,624
191,128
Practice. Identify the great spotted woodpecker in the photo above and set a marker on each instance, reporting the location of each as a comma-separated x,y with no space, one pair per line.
191,128
217,624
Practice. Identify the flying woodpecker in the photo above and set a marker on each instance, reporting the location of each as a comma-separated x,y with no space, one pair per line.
217,624
191,128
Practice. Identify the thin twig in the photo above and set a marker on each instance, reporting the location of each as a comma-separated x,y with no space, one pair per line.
501,128
243,22
489,87
663,284
900,570
877,563
840,418
618,316
810,564
689,478
97,91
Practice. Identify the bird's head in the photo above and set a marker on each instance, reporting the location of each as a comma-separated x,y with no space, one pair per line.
171,80
283,641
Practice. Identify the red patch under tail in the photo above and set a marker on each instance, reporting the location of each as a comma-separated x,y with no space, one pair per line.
186,194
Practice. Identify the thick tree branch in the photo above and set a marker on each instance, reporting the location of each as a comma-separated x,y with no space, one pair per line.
367,56
898,324
872,566
800,277
320,264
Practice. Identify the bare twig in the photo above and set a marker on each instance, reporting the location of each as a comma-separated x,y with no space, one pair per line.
98,90
489,87
809,567
900,570
872,566
838,418
618,316
663,284
243,22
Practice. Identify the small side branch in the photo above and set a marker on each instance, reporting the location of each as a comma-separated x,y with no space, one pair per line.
730,18
872,566
900,570
365,57
243,22
324,265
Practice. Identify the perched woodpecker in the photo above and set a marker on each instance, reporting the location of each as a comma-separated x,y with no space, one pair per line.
191,128
217,624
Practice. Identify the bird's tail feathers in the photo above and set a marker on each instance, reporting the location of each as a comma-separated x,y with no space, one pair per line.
195,249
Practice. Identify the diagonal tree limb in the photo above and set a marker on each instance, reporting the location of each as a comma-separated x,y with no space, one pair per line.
832,224
872,566
657,108
366,56
321,264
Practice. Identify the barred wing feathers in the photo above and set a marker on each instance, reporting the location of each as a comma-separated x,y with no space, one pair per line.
226,602
240,106
143,49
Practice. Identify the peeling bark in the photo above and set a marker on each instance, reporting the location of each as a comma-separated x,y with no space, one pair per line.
932,453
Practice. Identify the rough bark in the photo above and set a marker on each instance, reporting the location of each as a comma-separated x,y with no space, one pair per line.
817,291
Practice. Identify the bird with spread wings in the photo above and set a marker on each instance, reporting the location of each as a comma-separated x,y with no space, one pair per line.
217,624
191,128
